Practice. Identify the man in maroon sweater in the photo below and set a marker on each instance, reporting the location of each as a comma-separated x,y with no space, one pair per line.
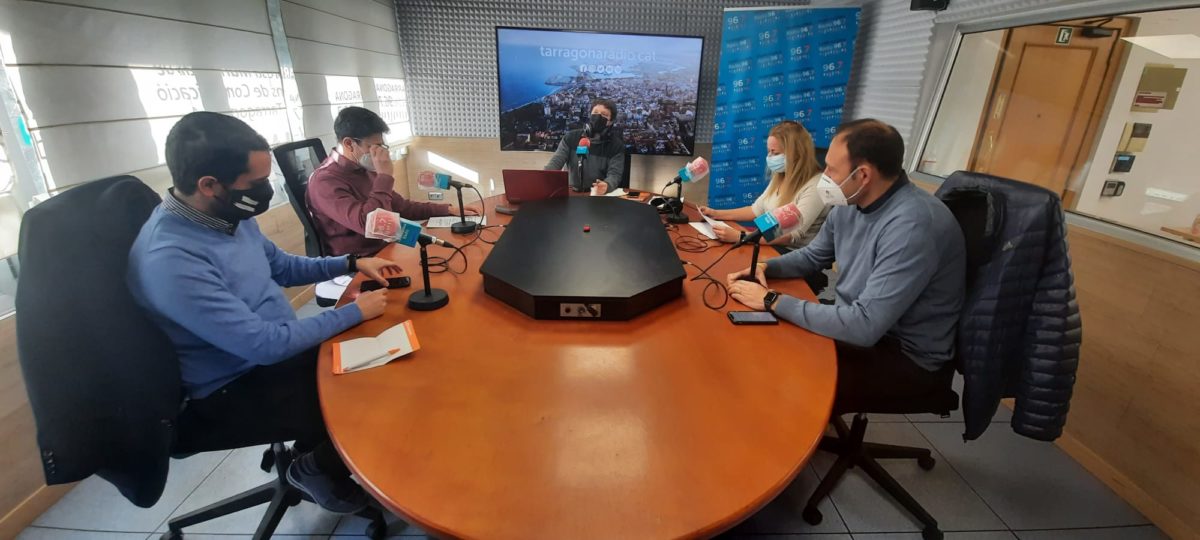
356,179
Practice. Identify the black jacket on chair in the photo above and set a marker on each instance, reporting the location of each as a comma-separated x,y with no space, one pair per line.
1021,331
103,380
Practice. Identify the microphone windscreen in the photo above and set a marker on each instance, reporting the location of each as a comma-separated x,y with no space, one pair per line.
386,225
778,222
694,171
788,216
426,180
409,232
697,169
442,181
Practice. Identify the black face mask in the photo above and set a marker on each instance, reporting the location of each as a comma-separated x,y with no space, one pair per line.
243,204
597,124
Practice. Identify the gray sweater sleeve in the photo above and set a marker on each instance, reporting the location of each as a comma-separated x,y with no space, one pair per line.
904,264
560,156
816,256
616,169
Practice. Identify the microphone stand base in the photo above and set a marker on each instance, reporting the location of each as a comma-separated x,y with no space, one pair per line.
436,299
464,227
678,219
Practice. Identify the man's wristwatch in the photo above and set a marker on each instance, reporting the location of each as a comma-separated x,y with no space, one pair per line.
352,263
769,300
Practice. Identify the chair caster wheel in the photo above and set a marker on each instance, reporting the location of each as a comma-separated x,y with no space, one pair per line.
926,463
812,516
931,533
172,535
377,530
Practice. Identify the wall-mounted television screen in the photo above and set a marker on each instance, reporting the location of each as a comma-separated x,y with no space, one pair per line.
548,79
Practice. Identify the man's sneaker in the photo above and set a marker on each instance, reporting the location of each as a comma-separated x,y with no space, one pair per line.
338,495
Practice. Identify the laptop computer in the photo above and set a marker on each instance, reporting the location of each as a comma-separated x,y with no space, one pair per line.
533,185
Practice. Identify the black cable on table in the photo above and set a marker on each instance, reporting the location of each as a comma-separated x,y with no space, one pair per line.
439,265
712,282
485,240
691,243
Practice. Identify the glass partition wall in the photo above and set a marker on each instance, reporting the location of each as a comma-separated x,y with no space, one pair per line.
1102,111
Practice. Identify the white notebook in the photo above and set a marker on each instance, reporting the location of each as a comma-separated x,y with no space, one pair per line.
366,353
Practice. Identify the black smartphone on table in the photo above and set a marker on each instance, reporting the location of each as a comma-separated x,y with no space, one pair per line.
393,283
752,317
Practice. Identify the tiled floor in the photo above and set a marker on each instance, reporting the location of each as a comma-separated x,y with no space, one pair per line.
1002,486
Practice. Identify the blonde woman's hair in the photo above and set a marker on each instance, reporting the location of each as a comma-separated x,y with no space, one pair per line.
801,158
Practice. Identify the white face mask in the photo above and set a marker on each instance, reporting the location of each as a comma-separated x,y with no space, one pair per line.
777,163
363,161
366,162
831,192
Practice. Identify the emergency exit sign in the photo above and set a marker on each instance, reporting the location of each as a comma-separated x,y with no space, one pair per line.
1064,35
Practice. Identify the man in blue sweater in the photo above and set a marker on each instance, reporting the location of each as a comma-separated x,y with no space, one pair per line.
901,271
210,279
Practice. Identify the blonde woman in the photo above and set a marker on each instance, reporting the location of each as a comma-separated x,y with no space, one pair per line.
792,161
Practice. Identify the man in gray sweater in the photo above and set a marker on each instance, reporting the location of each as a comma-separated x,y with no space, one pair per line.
901,271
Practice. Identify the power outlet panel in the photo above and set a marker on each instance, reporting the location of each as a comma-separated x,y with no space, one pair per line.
579,311
436,195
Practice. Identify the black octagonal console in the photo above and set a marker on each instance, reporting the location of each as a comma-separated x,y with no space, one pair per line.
584,258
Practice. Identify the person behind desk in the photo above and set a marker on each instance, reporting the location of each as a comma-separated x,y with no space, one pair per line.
605,163
792,161
356,179
207,276
902,271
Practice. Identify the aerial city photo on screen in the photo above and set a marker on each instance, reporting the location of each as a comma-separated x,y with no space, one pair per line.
548,79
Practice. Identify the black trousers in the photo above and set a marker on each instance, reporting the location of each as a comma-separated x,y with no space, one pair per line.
268,404
869,376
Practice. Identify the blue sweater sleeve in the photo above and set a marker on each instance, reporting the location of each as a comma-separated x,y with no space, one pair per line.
817,255
292,270
904,264
188,290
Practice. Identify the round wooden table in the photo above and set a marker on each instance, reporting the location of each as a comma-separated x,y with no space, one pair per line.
674,424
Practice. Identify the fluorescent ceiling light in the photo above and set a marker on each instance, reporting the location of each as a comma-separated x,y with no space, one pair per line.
1177,47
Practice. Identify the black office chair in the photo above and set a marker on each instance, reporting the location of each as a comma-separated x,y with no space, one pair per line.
970,209
297,161
103,380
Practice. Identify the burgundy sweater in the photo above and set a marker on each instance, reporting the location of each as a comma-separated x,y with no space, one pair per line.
341,194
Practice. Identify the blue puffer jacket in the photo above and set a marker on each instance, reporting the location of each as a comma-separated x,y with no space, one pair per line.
1021,330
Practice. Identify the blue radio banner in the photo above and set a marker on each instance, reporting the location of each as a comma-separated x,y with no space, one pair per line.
776,64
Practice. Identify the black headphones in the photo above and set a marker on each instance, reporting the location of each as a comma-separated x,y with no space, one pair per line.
667,205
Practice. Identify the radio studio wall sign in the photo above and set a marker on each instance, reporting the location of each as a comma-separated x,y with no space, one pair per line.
776,64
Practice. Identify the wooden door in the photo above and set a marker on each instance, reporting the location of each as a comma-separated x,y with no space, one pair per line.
1045,102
